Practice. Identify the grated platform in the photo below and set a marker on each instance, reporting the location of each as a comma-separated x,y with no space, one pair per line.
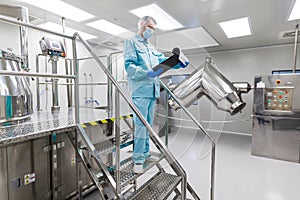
158,187
44,123
126,169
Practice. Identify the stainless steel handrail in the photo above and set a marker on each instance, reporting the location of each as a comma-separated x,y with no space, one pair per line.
81,84
169,157
28,74
213,152
16,22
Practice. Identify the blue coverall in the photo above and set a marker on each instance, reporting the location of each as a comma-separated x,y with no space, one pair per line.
140,57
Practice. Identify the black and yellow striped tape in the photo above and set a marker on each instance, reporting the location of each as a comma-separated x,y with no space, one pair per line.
105,121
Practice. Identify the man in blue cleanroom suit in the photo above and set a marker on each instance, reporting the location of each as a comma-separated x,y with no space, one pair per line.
140,57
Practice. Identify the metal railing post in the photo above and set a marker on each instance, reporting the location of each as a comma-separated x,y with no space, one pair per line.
212,172
76,81
117,134
167,121
37,70
109,88
295,47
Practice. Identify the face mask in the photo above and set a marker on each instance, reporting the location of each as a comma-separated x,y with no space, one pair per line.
148,33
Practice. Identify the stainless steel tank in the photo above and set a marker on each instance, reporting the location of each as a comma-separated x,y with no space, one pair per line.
210,82
15,94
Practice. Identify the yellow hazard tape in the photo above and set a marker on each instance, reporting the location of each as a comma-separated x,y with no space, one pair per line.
93,123
105,121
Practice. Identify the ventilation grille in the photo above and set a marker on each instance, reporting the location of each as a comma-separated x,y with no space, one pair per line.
287,34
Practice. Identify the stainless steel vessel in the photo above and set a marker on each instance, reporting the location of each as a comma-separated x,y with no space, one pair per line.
15,94
210,82
276,121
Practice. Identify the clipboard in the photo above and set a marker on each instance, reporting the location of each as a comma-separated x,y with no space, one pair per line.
167,64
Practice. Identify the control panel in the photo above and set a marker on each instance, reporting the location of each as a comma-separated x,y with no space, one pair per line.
52,47
278,99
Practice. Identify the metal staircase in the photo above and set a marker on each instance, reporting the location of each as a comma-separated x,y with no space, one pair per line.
117,180
159,186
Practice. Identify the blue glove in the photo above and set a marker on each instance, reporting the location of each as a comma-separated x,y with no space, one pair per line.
153,74
184,65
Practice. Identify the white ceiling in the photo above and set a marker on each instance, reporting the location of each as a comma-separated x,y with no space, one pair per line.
268,18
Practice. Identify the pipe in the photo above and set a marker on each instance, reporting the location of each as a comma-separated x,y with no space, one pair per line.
55,104
24,36
69,88
295,47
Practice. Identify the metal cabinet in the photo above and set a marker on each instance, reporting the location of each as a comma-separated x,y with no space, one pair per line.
276,122
28,168
3,174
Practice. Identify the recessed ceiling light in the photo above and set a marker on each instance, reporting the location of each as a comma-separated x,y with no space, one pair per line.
295,14
163,19
61,8
69,31
186,39
236,28
110,28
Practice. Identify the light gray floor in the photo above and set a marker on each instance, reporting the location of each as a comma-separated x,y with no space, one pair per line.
239,175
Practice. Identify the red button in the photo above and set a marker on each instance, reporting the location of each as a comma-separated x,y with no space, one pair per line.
286,92
280,96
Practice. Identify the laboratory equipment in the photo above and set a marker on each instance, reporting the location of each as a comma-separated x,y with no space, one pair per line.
15,94
54,49
276,121
212,83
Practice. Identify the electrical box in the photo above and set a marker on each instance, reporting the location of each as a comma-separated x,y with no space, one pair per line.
52,47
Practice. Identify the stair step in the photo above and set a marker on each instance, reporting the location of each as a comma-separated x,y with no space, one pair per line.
108,145
126,169
158,187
